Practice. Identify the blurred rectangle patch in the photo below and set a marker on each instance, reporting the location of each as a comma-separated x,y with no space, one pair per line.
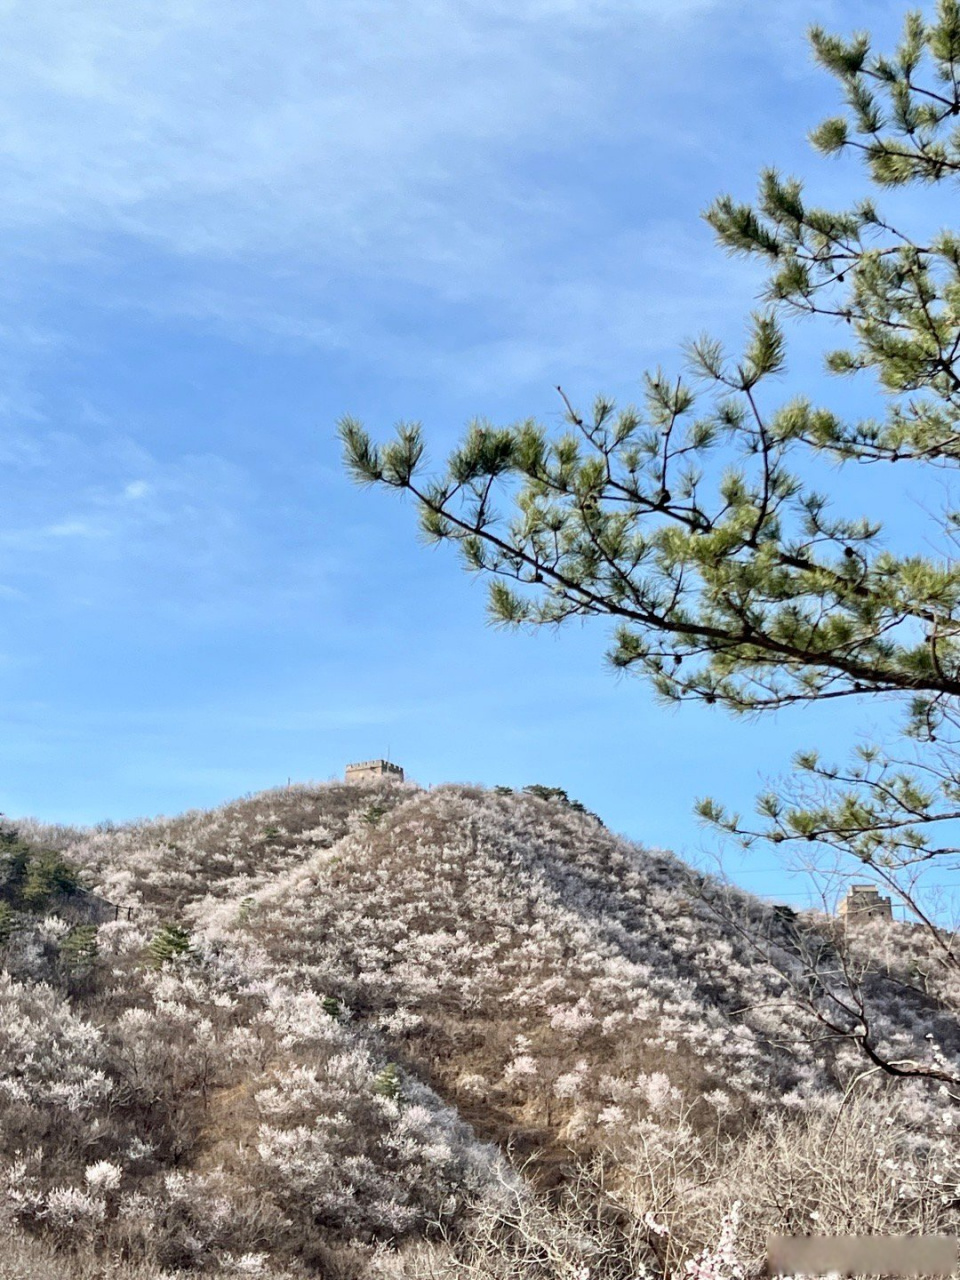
861,1255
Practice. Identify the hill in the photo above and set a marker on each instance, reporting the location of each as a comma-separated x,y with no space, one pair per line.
378,1030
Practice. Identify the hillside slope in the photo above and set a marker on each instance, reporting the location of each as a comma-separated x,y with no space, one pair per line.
335,1020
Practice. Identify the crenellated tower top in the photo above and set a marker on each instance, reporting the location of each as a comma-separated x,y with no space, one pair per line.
366,770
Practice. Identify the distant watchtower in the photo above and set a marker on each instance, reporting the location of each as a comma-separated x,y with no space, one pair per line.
863,901
367,770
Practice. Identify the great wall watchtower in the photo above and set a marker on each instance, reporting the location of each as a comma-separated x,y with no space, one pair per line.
863,901
367,770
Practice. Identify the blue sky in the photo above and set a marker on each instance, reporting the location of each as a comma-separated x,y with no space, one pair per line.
227,223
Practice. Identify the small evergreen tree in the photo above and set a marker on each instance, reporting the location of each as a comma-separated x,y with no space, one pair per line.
558,793
387,1083
78,950
170,942
47,875
29,876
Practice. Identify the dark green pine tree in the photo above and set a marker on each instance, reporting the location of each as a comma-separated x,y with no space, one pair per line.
689,522
170,942
79,950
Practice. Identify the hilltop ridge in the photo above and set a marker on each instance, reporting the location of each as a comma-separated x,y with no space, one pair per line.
365,1012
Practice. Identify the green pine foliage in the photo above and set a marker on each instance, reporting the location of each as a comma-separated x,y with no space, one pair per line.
32,878
47,875
690,521
558,793
78,950
169,943
387,1082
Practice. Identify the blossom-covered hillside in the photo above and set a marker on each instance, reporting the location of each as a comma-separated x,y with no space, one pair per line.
377,1030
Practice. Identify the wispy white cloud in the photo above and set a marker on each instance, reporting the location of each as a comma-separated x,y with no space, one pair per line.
282,161
75,529
224,128
104,513
311,175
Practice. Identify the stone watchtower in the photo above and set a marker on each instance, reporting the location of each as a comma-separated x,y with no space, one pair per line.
367,770
863,902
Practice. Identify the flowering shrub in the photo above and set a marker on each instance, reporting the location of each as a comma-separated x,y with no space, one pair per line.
323,1051
50,1057
721,1262
368,1158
